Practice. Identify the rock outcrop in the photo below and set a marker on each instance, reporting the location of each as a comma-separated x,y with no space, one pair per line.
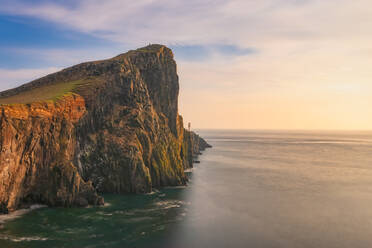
117,129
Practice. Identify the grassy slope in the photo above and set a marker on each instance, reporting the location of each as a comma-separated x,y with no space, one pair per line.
44,93
54,91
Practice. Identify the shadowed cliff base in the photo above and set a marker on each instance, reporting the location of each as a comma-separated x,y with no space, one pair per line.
105,126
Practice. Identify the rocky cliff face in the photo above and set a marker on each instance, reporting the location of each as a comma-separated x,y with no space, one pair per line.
117,129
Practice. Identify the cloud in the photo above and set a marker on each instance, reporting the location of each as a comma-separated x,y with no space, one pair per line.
59,57
236,22
205,52
12,78
279,26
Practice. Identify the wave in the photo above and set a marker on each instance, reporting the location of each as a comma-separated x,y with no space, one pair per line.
22,239
170,204
18,213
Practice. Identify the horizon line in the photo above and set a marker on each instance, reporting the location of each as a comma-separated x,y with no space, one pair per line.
283,129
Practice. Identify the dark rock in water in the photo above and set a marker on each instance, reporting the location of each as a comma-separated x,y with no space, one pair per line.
203,144
81,202
199,144
105,126
3,208
100,201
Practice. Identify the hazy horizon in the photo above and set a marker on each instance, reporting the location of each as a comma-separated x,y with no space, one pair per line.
270,64
284,130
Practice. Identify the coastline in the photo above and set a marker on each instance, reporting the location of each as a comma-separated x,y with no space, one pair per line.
18,213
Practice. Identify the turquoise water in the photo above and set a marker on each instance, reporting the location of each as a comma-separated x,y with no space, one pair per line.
253,189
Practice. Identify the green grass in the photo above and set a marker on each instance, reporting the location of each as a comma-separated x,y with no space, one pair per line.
44,93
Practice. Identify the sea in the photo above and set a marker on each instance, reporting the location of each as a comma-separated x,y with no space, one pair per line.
264,189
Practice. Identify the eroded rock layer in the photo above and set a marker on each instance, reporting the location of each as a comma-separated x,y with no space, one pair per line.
117,130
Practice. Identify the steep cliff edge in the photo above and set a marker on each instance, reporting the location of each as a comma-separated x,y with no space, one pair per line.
104,126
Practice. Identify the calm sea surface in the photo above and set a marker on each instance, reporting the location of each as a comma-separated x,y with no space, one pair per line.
253,189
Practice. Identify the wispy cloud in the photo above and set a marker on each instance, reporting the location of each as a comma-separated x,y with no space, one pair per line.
12,78
205,52
237,22
65,56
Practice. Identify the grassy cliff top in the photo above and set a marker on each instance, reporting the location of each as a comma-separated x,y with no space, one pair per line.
43,93
77,78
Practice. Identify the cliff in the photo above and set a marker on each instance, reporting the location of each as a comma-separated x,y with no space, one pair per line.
104,126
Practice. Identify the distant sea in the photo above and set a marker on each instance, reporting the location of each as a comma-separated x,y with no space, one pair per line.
252,189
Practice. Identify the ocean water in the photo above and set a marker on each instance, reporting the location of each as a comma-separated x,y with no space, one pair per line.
253,189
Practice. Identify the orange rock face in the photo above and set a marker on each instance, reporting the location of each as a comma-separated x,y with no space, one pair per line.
72,107
37,149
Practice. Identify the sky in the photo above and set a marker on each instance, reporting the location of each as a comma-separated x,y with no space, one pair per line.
243,64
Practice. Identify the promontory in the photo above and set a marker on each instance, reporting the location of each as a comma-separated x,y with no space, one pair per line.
109,126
